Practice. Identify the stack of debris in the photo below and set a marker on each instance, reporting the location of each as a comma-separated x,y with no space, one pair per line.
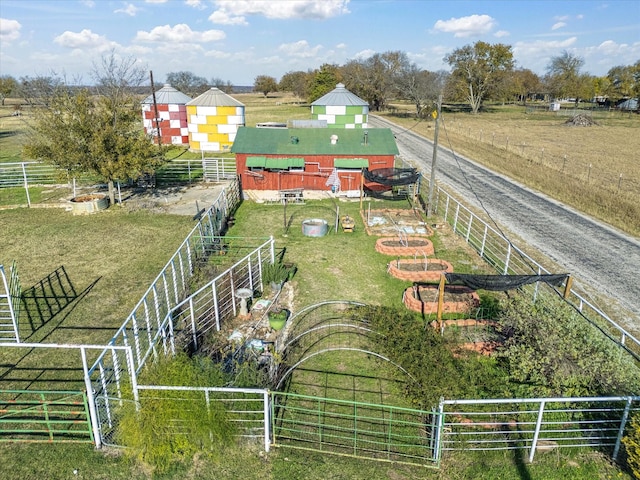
581,120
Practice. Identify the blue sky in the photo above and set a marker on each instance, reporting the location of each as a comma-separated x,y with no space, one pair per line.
237,40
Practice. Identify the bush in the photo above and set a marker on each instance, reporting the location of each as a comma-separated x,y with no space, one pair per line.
172,426
631,442
551,351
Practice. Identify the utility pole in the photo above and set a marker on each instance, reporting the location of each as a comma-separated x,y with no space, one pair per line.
155,109
432,180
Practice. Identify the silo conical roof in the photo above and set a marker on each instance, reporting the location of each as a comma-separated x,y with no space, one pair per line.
214,97
168,95
340,96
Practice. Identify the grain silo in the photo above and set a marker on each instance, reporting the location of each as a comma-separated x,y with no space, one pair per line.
171,107
214,118
341,109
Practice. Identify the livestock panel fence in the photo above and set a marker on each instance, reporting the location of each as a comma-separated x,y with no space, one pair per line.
508,259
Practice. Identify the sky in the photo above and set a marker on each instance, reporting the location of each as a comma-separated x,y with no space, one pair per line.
237,40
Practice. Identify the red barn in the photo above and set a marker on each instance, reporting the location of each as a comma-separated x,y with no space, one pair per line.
310,158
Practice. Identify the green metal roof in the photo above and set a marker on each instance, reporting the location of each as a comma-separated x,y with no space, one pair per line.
350,162
295,142
264,162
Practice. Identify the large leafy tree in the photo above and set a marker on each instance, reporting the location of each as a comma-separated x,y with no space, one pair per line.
82,132
524,82
8,85
479,71
374,79
624,81
296,83
565,79
323,80
265,84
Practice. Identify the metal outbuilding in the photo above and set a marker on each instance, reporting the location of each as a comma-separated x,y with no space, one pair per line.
214,118
172,116
341,109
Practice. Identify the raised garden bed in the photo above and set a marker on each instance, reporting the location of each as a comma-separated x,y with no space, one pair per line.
419,269
457,299
407,247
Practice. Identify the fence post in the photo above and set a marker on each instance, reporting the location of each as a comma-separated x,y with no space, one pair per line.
26,184
507,259
484,240
438,432
469,227
455,217
623,423
267,422
90,399
536,434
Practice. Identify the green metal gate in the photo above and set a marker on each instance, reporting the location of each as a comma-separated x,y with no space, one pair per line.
362,430
44,416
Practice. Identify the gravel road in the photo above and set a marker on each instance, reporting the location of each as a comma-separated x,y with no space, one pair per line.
601,259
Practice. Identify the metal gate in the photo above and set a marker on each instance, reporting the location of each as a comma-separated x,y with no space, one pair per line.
44,416
355,429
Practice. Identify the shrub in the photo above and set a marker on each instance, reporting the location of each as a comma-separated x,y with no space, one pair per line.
551,351
172,426
631,442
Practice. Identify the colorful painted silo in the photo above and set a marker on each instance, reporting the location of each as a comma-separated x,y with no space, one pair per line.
172,114
214,118
341,109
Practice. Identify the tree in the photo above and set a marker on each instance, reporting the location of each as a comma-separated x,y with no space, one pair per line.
624,81
265,84
223,85
563,78
188,83
8,85
479,71
420,87
322,81
523,83
296,83
101,134
374,79
38,90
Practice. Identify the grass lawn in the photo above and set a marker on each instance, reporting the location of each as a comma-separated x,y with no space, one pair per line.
109,256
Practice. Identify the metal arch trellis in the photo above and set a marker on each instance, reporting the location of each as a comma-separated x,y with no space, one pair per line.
306,341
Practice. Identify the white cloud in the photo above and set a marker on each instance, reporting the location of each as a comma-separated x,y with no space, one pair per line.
561,18
84,39
300,49
9,30
501,33
156,1
195,4
88,3
364,54
234,11
221,17
130,9
217,54
558,25
181,33
466,26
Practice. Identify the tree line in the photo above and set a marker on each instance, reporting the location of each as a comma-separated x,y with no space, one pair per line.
480,72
